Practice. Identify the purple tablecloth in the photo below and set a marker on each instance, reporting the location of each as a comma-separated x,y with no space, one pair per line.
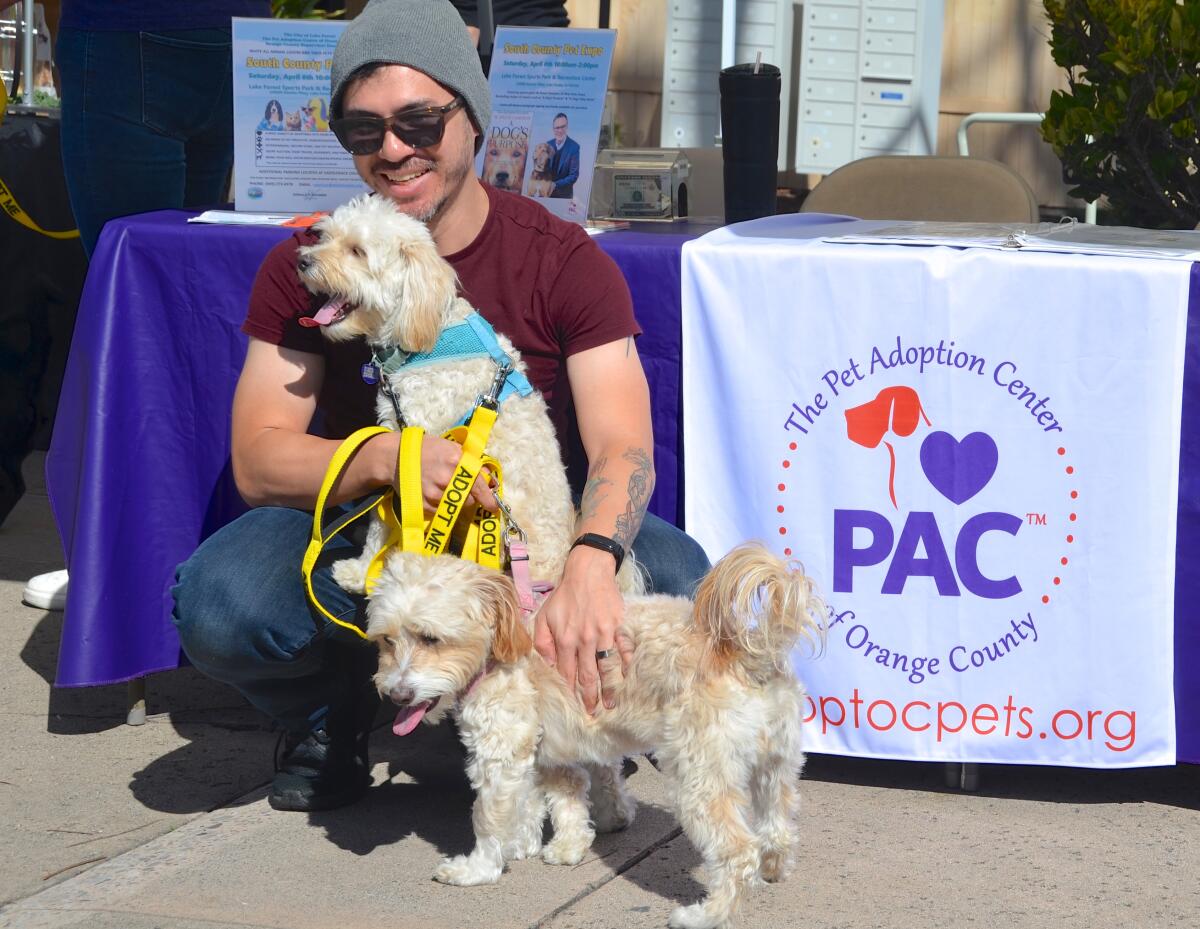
138,470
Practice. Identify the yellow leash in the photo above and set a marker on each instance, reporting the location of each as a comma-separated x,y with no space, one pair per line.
320,537
8,203
480,537
455,494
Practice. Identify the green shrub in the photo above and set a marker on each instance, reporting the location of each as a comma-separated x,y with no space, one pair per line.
1133,68
301,9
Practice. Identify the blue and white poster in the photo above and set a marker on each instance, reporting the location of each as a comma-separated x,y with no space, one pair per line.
285,158
548,88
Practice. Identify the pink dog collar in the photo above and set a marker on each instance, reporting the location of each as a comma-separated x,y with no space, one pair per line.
529,594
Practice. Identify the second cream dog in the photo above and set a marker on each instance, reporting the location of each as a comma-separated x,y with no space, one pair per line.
709,691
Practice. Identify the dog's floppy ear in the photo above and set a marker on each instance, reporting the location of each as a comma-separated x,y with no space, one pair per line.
430,286
510,641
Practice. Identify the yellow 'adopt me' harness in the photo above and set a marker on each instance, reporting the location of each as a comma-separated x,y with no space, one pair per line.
482,538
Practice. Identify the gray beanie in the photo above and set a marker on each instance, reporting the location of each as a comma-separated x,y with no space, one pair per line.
428,35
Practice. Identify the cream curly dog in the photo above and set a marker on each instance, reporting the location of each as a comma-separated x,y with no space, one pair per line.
710,691
387,284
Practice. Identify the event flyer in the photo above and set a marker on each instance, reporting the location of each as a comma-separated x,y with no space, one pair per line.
548,88
285,157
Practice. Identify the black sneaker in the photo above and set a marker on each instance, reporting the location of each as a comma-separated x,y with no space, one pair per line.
314,773
328,766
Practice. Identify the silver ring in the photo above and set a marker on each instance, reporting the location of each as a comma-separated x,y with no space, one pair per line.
603,653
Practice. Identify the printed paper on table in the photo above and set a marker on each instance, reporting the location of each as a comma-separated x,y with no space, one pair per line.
540,78
285,158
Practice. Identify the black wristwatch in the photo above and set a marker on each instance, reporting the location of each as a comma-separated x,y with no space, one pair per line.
604,543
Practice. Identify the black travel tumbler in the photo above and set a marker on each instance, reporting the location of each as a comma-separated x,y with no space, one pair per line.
749,139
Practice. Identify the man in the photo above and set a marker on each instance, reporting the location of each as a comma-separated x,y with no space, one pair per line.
564,166
406,78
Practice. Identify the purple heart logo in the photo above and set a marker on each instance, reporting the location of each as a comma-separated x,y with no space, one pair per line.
959,470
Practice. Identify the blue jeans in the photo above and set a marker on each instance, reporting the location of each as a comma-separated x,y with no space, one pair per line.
147,122
243,617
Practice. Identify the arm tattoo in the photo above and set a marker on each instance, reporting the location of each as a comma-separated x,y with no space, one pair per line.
641,484
628,345
594,490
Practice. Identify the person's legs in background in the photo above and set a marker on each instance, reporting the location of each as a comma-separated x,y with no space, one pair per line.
243,618
147,122
207,180
208,149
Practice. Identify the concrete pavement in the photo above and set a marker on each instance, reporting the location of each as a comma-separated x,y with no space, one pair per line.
166,825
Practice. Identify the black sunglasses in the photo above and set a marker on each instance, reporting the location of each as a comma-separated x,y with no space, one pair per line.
419,127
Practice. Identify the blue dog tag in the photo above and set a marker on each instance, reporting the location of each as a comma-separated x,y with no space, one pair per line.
370,373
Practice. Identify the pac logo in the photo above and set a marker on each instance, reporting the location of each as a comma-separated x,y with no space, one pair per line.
932,493
956,469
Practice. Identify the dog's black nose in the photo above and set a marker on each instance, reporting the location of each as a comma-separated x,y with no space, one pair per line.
402,695
502,179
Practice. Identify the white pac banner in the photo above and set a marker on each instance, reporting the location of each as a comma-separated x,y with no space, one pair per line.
974,453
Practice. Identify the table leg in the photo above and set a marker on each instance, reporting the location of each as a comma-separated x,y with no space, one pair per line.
963,777
136,702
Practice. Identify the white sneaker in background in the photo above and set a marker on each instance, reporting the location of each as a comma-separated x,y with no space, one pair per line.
47,591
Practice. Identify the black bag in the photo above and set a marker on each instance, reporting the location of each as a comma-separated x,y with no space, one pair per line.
43,278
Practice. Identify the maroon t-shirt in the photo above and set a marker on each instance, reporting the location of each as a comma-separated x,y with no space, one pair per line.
536,278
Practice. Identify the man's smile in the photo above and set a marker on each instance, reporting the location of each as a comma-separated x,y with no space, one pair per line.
406,174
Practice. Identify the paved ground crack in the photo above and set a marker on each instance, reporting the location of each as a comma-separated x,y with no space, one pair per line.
597,884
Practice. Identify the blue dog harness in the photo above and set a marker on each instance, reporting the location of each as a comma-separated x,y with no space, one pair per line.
474,337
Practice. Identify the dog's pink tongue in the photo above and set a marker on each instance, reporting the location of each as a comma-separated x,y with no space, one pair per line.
325,315
409,716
